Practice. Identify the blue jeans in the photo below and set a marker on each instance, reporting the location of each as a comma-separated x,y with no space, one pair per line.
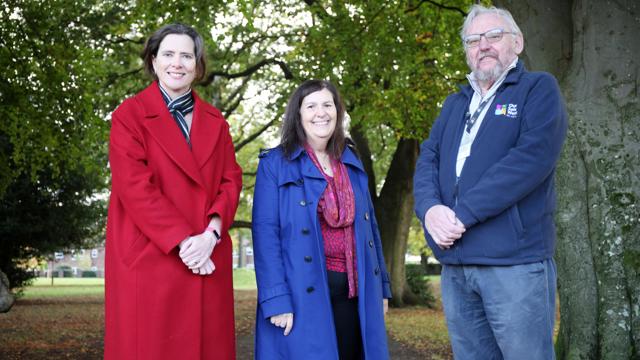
500,312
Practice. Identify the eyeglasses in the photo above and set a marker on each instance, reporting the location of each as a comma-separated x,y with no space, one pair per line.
492,36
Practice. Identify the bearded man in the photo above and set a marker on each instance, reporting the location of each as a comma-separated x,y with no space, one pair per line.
484,192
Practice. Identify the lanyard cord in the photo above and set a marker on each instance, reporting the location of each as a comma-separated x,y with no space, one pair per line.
471,120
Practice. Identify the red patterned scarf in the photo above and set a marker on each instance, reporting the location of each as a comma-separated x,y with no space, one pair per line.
338,209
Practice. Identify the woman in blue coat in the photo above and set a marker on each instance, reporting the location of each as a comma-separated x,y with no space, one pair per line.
322,282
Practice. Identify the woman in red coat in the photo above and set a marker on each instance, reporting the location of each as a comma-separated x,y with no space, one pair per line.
175,190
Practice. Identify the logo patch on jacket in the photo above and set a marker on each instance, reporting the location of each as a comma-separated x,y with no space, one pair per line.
510,110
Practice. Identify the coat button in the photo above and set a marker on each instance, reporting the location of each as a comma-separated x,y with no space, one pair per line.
310,289
307,258
305,231
300,181
370,243
366,215
377,271
303,203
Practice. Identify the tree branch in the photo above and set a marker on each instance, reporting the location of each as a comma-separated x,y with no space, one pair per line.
249,71
113,77
228,111
249,187
120,40
252,137
454,8
239,90
320,11
240,224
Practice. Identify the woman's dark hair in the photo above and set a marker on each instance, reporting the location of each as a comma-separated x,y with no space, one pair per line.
292,133
152,45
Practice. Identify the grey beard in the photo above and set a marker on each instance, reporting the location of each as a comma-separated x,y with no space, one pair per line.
489,75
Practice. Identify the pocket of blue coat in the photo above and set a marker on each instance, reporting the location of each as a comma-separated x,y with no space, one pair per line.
514,215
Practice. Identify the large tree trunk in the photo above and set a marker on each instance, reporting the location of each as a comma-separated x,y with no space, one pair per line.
394,211
362,144
598,252
6,298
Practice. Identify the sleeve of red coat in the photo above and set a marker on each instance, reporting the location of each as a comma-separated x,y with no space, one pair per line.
132,181
226,201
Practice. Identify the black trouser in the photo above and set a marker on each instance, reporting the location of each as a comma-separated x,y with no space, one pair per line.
345,317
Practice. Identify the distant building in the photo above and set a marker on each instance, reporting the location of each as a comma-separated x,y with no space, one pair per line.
77,263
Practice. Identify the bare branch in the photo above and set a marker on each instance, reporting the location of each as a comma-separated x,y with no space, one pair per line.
114,77
228,111
320,11
239,224
383,141
241,144
248,187
249,71
120,40
454,8
238,91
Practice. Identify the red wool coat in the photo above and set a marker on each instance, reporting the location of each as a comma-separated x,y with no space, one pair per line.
162,192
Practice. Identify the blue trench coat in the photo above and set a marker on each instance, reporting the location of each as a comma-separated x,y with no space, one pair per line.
290,263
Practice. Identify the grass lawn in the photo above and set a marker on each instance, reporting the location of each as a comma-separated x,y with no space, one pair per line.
65,287
67,321
422,329
243,279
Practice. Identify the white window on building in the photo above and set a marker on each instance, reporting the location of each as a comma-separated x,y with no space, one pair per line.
58,255
94,268
94,253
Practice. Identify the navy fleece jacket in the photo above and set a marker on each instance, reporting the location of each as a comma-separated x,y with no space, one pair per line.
505,194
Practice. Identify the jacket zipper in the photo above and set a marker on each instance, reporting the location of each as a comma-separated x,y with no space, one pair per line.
455,201
455,192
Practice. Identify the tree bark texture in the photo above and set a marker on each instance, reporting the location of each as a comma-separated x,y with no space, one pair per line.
6,297
394,212
598,183
394,209
362,144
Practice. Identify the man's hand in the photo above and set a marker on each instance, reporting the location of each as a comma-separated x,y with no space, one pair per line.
443,226
284,321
